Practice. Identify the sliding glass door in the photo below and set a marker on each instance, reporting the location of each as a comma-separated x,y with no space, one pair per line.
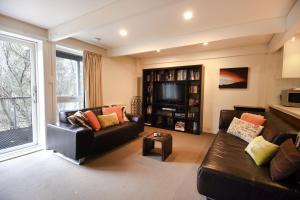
18,127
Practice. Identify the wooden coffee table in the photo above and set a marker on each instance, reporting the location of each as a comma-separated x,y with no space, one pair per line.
166,144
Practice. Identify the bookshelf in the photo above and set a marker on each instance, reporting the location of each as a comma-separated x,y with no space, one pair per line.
185,112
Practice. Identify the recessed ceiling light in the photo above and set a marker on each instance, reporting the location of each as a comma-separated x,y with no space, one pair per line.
158,50
293,39
205,43
123,32
187,15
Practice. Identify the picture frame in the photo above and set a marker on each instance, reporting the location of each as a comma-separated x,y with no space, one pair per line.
233,78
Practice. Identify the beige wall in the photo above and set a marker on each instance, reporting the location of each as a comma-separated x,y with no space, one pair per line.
258,92
274,81
119,74
119,77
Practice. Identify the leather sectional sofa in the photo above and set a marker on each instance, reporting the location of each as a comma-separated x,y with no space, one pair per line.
228,172
77,142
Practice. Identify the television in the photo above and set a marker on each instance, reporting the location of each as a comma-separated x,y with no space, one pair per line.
170,93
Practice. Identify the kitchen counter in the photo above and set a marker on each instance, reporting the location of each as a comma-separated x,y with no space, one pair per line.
293,111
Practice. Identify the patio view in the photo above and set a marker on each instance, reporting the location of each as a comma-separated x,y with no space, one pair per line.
15,94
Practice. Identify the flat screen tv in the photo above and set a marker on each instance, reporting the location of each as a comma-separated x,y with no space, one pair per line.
170,93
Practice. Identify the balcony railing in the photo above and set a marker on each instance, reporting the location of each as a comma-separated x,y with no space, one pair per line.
15,122
15,112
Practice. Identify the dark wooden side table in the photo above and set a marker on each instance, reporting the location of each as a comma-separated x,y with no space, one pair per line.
166,144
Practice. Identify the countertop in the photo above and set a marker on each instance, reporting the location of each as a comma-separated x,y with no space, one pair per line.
293,111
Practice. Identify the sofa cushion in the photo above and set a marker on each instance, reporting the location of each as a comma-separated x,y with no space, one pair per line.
115,135
122,128
286,161
114,109
253,118
261,151
63,115
92,119
79,119
244,130
228,172
108,120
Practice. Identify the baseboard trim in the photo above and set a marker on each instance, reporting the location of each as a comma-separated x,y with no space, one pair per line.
77,162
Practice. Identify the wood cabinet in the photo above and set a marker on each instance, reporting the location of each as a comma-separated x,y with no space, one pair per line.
291,59
172,98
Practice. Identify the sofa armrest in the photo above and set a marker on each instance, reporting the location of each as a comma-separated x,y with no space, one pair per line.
279,139
70,140
139,119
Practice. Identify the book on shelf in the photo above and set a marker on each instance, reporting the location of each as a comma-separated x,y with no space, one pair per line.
149,110
159,76
170,75
180,115
150,88
193,101
193,115
193,126
149,100
181,75
194,89
180,126
194,75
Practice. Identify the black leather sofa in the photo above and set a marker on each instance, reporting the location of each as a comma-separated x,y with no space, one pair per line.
228,172
77,142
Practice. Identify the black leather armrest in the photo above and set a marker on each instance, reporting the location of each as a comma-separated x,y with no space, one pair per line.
138,119
70,140
279,139
226,116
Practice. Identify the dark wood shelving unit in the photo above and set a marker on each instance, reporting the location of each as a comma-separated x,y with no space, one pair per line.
187,112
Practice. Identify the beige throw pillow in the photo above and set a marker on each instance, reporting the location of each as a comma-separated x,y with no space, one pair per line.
108,120
244,130
79,119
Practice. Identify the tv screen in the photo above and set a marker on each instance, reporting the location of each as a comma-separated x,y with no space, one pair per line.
170,93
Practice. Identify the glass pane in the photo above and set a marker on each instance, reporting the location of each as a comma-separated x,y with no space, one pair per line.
70,105
69,76
66,77
15,94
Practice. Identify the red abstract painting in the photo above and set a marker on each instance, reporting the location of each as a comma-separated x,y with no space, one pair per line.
233,77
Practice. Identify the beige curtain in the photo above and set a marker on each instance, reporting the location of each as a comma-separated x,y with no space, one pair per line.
92,79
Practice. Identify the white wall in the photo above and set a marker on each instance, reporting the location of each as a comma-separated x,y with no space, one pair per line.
119,79
258,91
275,82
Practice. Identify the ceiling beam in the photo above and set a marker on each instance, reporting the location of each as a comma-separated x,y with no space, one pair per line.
262,27
292,28
103,16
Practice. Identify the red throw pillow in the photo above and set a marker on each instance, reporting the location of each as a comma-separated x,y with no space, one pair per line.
253,119
92,119
115,109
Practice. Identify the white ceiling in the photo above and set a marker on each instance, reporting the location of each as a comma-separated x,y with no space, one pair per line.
49,13
166,21
216,45
155,24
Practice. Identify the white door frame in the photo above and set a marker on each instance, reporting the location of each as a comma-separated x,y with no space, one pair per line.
34,90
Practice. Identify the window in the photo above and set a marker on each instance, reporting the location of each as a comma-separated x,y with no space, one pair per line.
69,81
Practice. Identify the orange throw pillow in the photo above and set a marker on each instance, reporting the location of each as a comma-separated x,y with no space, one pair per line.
253,119
115,109
92,119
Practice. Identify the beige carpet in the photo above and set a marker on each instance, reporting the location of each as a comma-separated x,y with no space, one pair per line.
122,173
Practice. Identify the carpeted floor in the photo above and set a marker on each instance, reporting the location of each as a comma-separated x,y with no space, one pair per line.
122,173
